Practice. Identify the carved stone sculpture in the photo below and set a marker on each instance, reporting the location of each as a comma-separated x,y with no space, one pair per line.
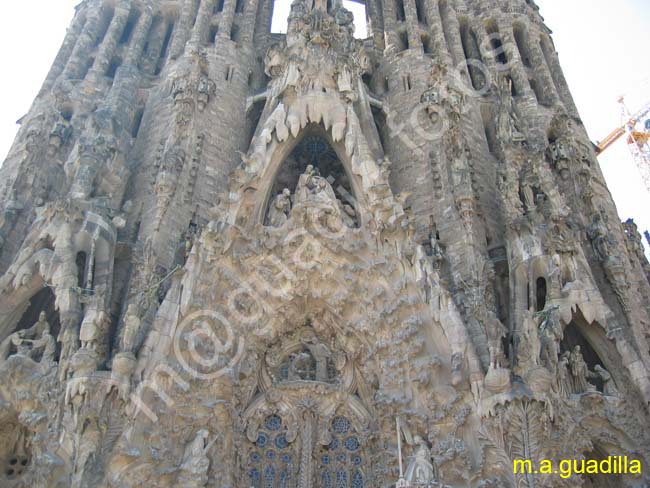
609,387
508,124
36,342
280,208
420,470
496,332
599,236
195,464
580,372
563,376
528,351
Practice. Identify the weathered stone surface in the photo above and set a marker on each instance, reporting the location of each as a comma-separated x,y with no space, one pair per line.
232,258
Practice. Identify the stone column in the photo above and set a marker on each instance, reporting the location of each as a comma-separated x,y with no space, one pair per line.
391,39
79,58
139,37
182,29
542,73
306,472
248,28
485,49
374,29
517,69
455,42
437,31
154,51
226,19
202,24
412,24
106,50
65,52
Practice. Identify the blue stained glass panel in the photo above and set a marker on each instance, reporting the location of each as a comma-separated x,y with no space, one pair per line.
281,441
357,479
351,444
262,439
254,475
341,479
341,425
326,479
284,479
273,422
269,477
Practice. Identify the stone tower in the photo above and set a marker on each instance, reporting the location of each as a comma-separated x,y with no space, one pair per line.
233,258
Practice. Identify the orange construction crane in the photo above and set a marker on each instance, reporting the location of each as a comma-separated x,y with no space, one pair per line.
637,128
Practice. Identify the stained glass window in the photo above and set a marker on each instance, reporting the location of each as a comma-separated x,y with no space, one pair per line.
272,462
340,463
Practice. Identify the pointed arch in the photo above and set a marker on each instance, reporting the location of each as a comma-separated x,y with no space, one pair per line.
30,279
596,348
280,151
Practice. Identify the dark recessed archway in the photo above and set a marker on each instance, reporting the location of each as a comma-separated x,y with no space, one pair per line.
314,149
43,301
573,337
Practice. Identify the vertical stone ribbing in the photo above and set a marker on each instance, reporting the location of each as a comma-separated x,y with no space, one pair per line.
437,31
412,24
202,24
107,48
250,12
374,26
181,32
517,70
227,18
140,35
454,39
482,37
155,40
541,69
79,58
391,37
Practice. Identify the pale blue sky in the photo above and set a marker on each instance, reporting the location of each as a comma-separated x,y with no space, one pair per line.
602,46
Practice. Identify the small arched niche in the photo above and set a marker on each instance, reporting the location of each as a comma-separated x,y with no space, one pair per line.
43,301
595,348
314,148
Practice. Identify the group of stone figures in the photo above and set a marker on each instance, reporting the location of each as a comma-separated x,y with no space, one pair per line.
573,375
313,189
541,339
35,343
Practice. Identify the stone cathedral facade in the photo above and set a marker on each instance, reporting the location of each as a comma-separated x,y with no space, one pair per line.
234,258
